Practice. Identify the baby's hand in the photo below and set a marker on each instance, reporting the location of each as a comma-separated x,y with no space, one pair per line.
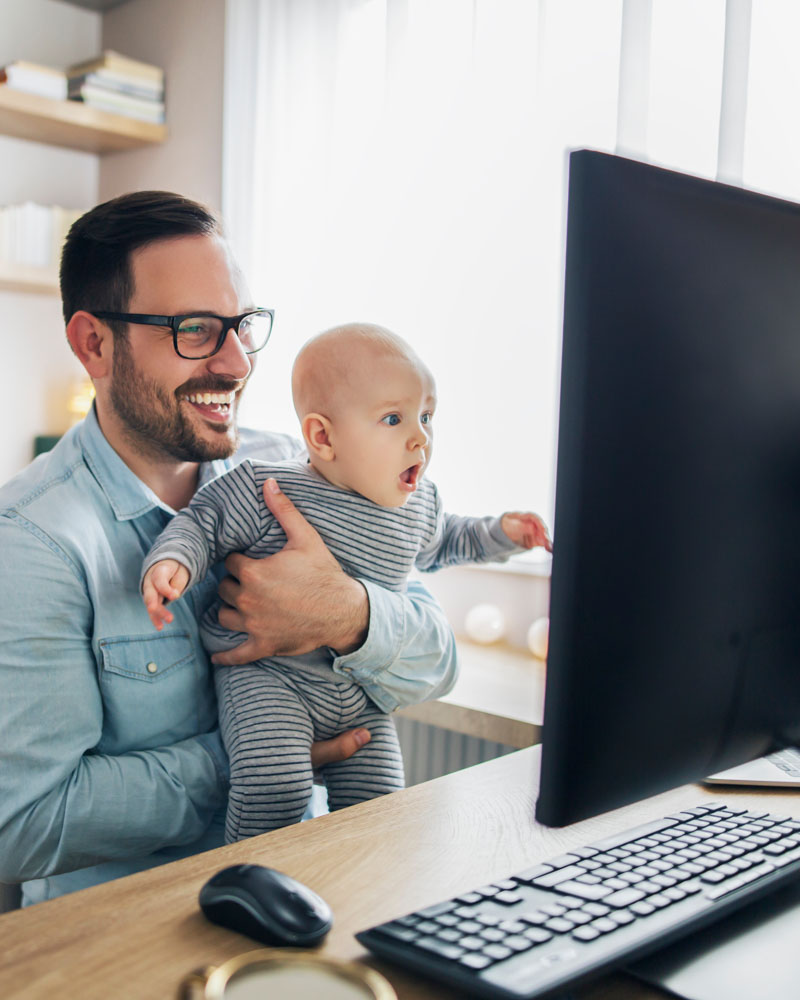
165,581
526,530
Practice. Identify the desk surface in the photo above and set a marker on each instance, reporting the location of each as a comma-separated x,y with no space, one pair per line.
135,938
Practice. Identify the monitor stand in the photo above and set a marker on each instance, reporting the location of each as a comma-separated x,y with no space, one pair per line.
753,953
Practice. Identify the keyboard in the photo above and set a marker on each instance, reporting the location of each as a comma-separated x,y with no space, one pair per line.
787,760
600,906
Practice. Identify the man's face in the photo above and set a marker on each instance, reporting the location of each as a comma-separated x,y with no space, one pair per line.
158,397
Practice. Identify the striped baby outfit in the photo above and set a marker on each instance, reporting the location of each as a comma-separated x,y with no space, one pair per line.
272,710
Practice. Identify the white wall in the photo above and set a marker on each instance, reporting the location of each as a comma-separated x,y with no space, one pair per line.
41,366
186,38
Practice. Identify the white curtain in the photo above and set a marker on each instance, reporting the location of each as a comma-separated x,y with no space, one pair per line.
403,162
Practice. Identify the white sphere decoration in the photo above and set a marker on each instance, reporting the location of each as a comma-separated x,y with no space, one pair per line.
538,635
485,623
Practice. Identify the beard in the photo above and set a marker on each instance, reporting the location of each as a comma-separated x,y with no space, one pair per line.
153,420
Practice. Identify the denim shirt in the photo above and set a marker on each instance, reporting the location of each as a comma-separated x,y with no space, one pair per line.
110,757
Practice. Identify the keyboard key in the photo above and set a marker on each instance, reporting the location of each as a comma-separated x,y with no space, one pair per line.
563,860
538,935
506,883
642,908
604,924
586,933
558,876
469,927
513,926
475,960
507,898
492,934
585,891
400,933
518,943
436,910
473,942
560,925
441,948
624,897
533,873
497,951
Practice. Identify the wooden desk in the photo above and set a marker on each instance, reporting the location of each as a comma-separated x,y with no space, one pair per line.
135,938
499,696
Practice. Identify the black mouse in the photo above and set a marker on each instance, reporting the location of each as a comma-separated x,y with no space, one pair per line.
266,905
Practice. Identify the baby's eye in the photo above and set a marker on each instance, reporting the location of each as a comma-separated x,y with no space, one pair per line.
392,419
426,418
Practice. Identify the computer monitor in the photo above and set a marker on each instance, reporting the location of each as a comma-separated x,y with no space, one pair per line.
675,603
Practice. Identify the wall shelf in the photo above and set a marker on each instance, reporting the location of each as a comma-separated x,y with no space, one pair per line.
72,124
37,280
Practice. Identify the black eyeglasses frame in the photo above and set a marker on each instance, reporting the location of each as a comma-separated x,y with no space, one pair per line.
174,322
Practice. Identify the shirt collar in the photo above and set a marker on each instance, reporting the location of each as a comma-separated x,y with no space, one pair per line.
128,496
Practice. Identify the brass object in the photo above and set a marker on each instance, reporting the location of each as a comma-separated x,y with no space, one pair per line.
268,974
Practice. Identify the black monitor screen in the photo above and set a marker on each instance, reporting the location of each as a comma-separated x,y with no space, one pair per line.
675,601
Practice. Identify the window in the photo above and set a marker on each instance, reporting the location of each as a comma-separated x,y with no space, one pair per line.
404,162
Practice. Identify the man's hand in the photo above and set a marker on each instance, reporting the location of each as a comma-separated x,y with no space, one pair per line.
294,601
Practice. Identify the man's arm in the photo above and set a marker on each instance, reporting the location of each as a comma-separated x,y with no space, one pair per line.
63,805
399,647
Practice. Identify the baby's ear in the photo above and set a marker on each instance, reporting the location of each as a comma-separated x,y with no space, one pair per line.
317,434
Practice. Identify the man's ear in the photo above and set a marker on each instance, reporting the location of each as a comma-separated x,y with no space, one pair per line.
92,343
317,434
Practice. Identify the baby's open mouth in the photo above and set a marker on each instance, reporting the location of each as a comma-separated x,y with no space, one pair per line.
410,476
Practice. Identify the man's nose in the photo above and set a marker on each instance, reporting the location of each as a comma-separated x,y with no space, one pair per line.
231,359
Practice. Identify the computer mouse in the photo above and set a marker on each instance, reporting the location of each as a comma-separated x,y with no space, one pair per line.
266,905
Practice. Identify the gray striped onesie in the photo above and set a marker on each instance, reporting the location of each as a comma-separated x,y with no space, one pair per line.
270,711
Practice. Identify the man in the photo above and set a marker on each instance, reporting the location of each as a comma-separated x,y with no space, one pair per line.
110,757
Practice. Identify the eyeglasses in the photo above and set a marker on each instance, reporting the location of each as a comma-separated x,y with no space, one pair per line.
201,335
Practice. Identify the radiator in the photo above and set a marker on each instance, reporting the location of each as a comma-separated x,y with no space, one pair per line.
429,752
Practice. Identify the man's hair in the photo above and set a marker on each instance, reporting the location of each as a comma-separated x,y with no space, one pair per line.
96,269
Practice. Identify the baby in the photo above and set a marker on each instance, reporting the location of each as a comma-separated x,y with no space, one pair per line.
366,403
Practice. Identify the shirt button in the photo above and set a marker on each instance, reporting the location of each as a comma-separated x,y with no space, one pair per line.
152,668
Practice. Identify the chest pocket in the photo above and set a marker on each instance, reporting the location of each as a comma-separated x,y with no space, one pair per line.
148,660
154,692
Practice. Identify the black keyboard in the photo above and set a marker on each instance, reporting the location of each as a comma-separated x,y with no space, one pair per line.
597,907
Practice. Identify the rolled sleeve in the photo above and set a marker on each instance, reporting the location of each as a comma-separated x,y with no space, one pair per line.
409,654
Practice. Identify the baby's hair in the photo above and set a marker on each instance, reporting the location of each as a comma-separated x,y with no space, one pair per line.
324,364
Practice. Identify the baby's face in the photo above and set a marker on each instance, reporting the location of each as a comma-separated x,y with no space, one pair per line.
382,437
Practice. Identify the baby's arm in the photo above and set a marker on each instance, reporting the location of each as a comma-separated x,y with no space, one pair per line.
526,530
164,581
456,540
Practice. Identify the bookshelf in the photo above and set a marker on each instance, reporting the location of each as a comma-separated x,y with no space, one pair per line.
72,124
21,278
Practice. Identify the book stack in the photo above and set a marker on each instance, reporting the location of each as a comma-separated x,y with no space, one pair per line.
35,79
115,83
